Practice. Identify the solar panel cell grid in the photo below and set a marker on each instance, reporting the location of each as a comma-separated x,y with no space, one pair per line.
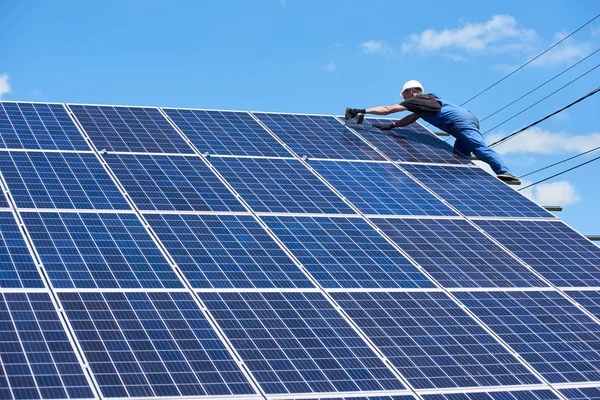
38,126
589,299
129,129
226,251
226,132
298,343
17,269
380,188
90,250
412,143
474,192
557,252
318,137
60,180
456,254
152,345
432,341
279,185
346,253
550,333
38,361
581,393
172,183
516,395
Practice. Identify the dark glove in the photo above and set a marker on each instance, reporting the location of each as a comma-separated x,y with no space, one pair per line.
353,112
384,127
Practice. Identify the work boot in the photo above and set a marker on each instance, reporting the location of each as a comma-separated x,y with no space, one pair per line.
509,179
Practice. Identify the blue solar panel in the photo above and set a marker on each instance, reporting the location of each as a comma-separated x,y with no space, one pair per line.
60,180
581,393
548,331
298,343
412,143
17,269
589,299
226,132
152,345
474,192
346,253
516,395
559,253
432,341
279,185
37,359
129,129
172,183
90,250
38,126
318,137
226,251
3,201
379,188
456,254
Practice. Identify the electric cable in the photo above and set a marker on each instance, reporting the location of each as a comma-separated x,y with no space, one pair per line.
593,92
559,162
533,59
560,173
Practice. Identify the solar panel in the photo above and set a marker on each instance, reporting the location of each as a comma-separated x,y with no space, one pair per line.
413,143
581,393
379,188
474,192
226,132
17,269
346,253
172,183
60,180
3,201
38,361
432,341
515,395
279,185
589,299
38,126
152,345
226,251
557,252
318,136
456,254
298,343
91,250
129,129
553,335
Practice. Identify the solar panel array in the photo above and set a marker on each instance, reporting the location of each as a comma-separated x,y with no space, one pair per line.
177,253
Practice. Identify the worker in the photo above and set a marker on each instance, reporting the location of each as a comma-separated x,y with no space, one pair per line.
450,118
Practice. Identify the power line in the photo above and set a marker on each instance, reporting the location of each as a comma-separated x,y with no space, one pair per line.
533,59
593,92
533,90
560,162
542,99
560,173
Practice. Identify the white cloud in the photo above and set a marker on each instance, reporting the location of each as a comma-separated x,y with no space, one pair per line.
376,47
501,33
567,52
536,140
561,193
330,66
4,85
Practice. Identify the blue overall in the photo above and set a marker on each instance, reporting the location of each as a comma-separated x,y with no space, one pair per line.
464,126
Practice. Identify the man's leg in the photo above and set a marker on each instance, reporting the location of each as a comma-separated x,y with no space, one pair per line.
474,141
462,148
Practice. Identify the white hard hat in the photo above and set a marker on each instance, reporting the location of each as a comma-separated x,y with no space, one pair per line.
412,84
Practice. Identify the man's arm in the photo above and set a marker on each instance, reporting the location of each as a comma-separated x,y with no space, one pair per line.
409,119
385,110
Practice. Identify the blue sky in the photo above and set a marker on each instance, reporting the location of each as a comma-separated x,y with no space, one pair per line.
321,56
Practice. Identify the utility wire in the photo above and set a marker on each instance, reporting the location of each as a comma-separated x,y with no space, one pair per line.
533,59
539,101
560,173
593,92
533,90
560,162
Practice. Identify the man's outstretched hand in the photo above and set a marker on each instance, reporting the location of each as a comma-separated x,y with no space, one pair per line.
384,127
354,113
